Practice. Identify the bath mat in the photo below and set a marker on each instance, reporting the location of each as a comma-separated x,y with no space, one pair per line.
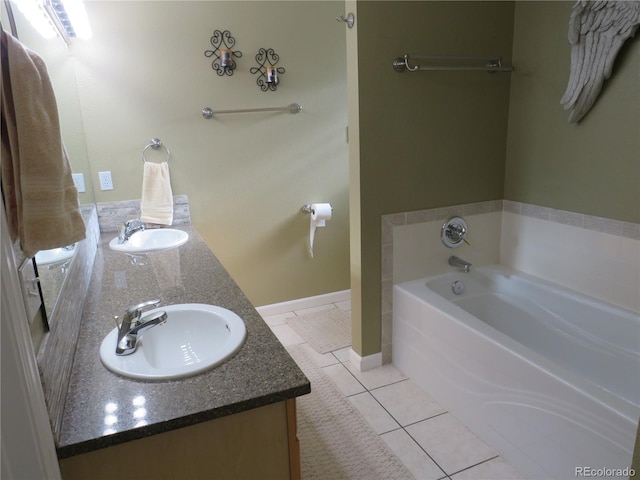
326,330
335,440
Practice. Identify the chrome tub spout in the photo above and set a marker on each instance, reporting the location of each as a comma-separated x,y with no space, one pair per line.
460,263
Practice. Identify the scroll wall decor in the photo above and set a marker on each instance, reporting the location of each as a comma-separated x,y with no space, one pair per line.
268,78
597,31
223,54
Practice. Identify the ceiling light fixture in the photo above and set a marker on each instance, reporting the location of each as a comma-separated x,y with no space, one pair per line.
67,18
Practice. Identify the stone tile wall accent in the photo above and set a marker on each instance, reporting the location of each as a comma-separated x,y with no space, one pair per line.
389,222
58,348
112,214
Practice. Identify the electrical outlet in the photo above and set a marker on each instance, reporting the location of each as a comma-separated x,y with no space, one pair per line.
78,180
105,180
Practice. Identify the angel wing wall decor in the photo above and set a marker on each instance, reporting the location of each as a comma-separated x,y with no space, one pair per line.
597,30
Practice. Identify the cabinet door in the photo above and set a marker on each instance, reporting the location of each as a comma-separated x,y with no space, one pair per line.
248,445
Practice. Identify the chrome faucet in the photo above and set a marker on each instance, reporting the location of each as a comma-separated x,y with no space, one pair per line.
133,324
458,262
128,228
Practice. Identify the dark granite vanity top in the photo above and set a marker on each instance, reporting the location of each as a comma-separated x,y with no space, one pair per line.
104,409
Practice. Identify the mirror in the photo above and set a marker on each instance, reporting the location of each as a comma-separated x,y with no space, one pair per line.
53,264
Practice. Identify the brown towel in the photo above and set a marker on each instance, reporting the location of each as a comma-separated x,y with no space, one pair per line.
40,197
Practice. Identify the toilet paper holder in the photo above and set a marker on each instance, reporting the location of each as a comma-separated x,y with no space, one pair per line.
308,208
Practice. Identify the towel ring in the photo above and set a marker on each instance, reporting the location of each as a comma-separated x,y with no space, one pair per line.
156,143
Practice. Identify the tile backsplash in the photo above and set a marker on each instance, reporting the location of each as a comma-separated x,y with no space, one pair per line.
57,351
113,214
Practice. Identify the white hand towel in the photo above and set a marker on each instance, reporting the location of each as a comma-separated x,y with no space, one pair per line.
156,205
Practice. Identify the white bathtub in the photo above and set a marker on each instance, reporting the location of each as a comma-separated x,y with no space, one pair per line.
548,377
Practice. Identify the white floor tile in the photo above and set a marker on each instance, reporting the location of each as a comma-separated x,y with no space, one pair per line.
343,379
407,402
279,319
305,311
344,305
286,335
342,354
377,377
413,457
456,449
374,414
453,446
495,469
321,359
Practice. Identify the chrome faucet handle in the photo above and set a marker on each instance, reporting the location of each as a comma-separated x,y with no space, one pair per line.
133,313
128,228
127,344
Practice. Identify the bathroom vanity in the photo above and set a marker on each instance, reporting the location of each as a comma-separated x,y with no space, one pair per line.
237,420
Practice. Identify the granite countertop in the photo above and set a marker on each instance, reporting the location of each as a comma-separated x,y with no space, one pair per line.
104,409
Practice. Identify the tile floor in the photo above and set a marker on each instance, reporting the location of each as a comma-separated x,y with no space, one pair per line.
427,439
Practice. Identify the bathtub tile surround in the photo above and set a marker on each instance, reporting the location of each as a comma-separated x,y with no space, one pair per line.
593,255
596,256
411,246
112,214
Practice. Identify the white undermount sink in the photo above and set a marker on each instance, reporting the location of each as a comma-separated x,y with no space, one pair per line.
195,338
150,240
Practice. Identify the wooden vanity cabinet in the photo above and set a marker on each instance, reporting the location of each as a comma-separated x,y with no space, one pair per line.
255,444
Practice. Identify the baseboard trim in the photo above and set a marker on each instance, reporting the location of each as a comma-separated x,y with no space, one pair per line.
301,303
368,362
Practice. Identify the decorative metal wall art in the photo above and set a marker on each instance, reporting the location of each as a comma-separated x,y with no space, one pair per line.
223,53
268,78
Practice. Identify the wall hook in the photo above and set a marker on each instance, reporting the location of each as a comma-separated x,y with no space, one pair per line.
350,20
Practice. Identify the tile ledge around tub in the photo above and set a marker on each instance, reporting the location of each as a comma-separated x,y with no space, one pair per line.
610,226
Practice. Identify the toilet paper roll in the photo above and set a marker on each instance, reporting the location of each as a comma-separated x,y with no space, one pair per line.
320,213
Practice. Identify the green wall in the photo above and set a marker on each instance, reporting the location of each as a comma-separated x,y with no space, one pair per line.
144,74
427,139
592,167
433,139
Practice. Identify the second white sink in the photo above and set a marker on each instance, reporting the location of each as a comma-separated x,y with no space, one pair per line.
151,239
55,255
195,338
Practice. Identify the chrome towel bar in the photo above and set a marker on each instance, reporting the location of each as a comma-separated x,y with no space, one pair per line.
209,113
490,64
